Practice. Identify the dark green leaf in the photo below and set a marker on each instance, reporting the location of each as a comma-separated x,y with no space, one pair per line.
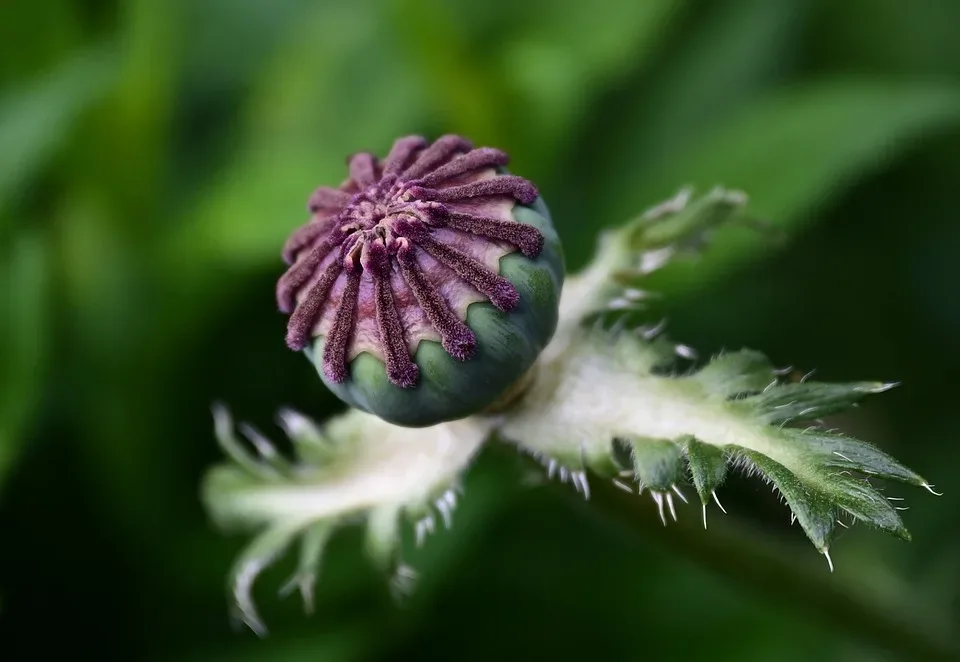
322,99
24,276
466,88
735,51
37,120
567,53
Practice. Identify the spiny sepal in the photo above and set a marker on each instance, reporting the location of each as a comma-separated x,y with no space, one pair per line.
627,255
797,402
657,463
605,385
685,222
708,467
355,468
604,401
840,452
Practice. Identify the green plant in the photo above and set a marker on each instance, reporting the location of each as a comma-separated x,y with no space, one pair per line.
156,156
607,401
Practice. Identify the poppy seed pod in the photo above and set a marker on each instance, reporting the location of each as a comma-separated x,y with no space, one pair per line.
425,285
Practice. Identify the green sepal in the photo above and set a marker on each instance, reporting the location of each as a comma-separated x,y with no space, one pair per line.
841,452
312,544
708,467
858,499
685,218
733,374
615,282
382,535
796,402
711,419
657,463
267,547
819,495
816,514
355,468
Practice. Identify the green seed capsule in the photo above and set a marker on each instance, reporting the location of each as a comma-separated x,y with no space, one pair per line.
427,284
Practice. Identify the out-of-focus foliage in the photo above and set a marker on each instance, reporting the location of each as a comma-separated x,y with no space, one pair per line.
156,153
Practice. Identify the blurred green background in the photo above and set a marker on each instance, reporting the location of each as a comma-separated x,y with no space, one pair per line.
155,154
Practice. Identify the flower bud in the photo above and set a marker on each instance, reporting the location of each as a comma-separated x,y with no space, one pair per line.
425,285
